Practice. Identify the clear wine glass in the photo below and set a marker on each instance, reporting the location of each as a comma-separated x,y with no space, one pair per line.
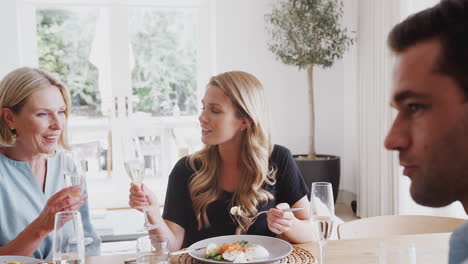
67,239
72,170
135,166
322,212
73,166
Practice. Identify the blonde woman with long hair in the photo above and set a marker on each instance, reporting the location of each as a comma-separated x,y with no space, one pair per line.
239,166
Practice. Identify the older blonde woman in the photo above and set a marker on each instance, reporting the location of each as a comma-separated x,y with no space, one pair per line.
34,109
238,166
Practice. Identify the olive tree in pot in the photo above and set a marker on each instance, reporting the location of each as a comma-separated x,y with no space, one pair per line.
307,33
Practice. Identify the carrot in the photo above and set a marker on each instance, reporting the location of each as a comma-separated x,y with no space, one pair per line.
228,247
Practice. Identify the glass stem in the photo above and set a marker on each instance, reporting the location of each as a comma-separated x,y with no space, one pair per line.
146,216
322,251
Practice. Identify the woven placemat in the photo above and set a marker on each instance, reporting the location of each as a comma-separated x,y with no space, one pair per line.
297,256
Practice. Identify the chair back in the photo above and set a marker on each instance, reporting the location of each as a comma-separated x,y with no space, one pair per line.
388,225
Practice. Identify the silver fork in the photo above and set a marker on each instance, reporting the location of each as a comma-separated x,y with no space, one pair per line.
266,211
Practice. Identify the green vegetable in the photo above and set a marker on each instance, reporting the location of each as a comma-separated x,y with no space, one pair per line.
244,243
219,257
213,255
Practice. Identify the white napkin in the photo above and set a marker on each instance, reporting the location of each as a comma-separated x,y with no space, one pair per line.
317,207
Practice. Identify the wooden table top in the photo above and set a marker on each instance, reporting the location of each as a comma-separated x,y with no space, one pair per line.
430,249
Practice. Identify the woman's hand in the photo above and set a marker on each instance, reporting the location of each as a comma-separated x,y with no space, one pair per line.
141,197
59,202
279,221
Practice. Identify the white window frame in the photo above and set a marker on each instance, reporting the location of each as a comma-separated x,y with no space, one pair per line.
119,78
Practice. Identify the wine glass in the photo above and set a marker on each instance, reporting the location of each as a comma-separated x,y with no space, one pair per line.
74,171
134,163
68,238
322,212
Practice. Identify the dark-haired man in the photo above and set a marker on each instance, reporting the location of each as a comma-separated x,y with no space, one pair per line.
430,93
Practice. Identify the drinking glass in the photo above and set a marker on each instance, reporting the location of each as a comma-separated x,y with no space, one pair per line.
392,254
152,249
134,163
68,238
322,212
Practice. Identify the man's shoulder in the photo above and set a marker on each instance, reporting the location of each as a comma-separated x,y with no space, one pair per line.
462,228
461,233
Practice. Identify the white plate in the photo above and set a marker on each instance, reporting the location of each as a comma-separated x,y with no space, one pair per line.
28,260
277,248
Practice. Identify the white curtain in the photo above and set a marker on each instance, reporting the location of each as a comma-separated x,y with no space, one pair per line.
377,186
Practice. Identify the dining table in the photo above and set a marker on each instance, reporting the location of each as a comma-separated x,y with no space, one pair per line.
430,249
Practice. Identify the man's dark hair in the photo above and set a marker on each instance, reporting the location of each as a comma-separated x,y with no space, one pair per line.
446,22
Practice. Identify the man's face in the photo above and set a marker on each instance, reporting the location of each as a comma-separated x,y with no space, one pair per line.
430,131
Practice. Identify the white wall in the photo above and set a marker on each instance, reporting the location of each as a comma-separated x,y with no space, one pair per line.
9,38
241,45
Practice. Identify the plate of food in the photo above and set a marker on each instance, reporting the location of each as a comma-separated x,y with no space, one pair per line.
18,260
240,249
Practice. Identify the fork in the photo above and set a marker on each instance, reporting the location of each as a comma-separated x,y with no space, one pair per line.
266,211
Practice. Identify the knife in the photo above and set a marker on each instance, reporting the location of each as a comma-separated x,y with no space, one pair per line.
175,253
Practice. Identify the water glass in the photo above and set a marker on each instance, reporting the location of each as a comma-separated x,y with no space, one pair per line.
68,238
152,249
391,254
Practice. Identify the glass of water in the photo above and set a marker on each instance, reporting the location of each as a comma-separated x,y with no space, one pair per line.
68,238
152,249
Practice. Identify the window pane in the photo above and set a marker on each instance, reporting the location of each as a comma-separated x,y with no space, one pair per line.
67,47
164,59
65,38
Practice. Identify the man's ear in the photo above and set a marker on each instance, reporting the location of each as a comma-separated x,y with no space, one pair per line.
7,115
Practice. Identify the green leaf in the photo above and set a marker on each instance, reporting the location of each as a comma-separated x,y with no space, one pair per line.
304,32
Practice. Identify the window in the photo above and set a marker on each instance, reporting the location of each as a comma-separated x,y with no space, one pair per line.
134,68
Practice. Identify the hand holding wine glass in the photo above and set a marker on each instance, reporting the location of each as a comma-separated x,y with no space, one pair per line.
322,212
74,171
142,198
135,166
60,201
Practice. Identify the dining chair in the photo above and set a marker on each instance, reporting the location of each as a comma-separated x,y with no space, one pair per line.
389,225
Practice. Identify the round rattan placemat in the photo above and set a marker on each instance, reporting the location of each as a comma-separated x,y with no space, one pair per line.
297,256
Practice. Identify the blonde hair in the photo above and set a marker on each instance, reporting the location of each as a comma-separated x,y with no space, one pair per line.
247,95
15,89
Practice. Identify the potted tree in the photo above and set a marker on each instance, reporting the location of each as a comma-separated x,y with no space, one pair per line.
307,33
